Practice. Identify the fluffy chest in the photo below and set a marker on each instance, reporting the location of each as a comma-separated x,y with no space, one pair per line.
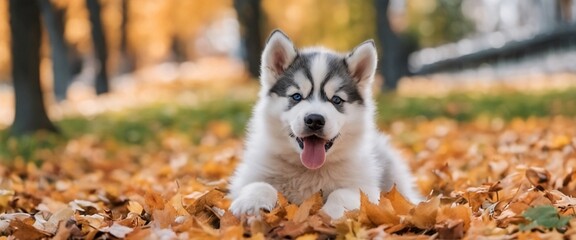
297,187
297,183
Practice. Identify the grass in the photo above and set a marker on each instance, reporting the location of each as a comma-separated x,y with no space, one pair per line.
467,107
141,127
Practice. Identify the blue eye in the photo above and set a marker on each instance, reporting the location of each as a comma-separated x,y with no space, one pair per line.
337,100
296,97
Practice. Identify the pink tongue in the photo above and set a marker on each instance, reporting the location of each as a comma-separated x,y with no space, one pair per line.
313,154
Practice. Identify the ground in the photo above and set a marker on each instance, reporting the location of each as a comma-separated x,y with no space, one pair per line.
498,165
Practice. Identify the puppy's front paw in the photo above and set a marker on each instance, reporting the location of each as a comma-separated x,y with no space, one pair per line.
334,210
254,196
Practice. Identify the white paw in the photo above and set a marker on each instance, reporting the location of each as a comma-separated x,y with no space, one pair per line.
253,197
341,200
335,211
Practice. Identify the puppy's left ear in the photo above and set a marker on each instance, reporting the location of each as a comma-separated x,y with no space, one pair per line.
362,62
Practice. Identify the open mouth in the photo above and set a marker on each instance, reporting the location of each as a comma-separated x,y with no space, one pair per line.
314,150
315,138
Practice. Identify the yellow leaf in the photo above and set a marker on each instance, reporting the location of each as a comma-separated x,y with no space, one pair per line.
258,236
559,142
221,129
291,210
282,201
309,236
5,197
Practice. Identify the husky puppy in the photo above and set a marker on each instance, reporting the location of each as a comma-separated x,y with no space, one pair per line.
313,129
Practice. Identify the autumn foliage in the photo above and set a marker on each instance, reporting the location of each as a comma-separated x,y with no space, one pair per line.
484,178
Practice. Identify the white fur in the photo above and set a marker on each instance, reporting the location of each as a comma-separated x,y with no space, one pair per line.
361,158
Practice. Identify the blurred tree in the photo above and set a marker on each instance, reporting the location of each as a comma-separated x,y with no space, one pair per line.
126,58
394,55
250,18
25,48
61,66
99,43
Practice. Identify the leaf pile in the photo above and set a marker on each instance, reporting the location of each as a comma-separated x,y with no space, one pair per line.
487,178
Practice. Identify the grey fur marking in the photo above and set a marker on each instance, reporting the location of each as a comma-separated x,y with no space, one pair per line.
337,68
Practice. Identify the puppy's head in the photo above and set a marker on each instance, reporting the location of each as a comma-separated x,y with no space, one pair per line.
318,96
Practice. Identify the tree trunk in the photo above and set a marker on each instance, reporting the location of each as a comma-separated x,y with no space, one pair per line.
99,42
390,63
54,22
126,59
25,48
249,15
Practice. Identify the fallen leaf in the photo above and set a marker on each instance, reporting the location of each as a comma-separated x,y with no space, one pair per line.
538,176
24,231
423,216
135,207
376,215
309,206
455,213
399,203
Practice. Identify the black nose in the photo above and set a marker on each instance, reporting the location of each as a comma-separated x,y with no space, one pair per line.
314,121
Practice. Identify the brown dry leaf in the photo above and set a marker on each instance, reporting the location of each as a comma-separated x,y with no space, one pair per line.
450,229
308,207
400,204
209,199
165,217
233,232
293,229
154,201
24,231
117,230
376,215
176,202
67,230
228,220
54,221
321,224
538,176
257,226
135,207
423,216
282,201
455,213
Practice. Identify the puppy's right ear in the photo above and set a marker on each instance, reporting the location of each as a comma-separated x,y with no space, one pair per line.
278,54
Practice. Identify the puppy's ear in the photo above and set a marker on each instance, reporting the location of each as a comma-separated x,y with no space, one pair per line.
278,54
362,62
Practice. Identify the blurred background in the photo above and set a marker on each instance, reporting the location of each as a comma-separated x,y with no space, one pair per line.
141,52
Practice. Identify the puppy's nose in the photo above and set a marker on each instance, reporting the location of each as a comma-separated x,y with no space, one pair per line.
314,121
